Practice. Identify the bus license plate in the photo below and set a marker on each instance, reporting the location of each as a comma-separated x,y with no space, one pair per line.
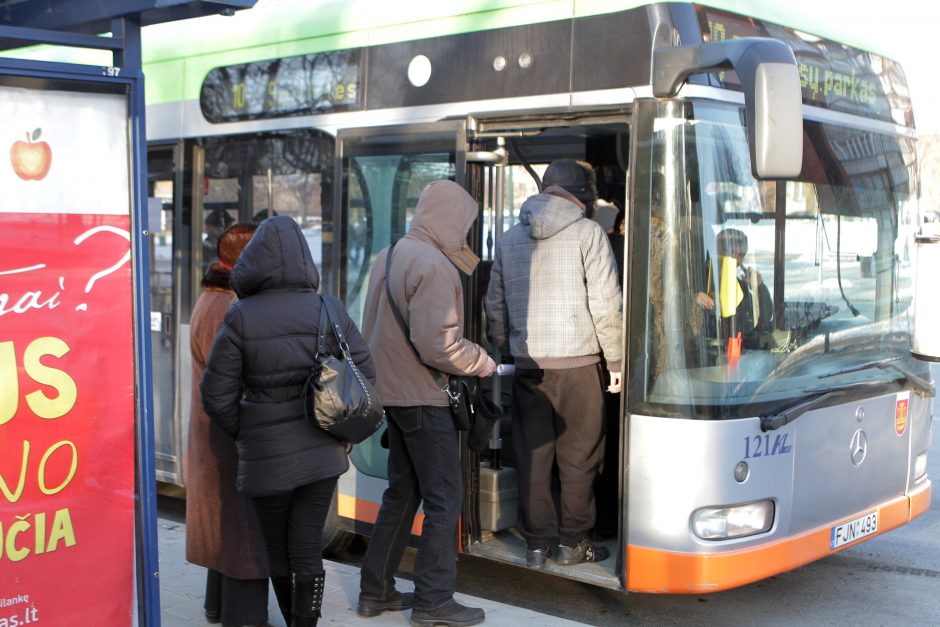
853,530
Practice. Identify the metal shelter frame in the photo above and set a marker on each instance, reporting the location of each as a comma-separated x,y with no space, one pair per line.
79,24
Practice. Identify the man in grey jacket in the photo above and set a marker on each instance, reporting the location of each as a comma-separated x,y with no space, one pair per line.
554,304
424,446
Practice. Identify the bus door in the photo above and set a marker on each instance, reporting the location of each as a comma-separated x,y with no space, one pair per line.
164,204
381,172
202,186
514,154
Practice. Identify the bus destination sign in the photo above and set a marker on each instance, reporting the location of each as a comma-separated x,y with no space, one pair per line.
832,75
323,82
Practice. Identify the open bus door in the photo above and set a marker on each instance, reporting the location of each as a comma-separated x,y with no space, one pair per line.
380,173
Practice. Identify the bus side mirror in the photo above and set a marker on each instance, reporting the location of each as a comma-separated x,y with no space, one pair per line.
927,298
773,99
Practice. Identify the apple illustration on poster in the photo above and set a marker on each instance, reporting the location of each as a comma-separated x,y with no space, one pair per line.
31,159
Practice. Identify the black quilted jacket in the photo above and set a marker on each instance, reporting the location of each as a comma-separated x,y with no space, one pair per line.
261,356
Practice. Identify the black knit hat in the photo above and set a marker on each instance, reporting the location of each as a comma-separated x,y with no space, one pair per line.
576,177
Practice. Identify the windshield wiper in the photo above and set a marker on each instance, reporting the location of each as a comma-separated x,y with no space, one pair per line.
775,421
785,417
919,383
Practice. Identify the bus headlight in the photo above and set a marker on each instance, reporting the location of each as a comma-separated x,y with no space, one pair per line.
736,521
920,466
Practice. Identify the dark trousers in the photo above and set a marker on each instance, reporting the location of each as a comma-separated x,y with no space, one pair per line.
236,601
423,466
292,524
606,488
558,417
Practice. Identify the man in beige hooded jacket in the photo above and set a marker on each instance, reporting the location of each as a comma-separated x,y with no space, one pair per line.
424,447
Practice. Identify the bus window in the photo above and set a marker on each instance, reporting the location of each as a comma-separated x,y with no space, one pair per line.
251,177
761,293
381,197
296,194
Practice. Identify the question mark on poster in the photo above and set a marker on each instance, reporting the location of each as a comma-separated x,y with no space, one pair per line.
103,273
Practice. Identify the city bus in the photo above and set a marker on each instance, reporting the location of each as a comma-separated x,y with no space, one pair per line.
734,458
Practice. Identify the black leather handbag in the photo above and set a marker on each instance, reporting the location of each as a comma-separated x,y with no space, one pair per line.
337,396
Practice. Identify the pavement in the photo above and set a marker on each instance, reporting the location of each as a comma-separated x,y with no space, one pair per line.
182,589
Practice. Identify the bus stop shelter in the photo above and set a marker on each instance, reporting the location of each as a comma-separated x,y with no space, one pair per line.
78,539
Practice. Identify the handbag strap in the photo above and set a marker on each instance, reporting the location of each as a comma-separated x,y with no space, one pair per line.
435,374
321,329
329,318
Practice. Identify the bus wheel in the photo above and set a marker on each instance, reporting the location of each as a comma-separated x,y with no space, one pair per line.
335,538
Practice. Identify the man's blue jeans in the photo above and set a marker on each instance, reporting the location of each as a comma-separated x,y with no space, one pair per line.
423,465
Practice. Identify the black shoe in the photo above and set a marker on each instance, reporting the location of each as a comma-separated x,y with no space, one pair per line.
213,616
583,551
394,602
535,556
452,614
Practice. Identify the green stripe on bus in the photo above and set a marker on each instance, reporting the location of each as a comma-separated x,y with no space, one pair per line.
177,56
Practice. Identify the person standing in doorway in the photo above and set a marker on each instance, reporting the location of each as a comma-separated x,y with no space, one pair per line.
424,445
554,304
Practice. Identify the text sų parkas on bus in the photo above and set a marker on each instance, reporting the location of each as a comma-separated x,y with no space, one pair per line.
17,610
766,445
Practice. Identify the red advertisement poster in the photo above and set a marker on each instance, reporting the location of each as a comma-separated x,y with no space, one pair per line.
66,360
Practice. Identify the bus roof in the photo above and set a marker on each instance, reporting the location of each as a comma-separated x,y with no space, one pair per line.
179,57
285,27
353,23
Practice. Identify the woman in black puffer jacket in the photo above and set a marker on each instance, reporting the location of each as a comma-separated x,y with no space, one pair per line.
253,389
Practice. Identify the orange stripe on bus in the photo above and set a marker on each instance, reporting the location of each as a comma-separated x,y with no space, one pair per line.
367,511
920,500
654,570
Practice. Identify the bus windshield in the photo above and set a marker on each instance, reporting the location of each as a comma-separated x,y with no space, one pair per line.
750,296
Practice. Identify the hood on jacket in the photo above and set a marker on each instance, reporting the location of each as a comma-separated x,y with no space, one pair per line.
550,212
443,217
277,257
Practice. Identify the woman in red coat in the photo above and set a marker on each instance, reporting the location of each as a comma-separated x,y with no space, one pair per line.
222,530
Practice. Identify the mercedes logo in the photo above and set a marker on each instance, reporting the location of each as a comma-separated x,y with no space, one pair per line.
858,447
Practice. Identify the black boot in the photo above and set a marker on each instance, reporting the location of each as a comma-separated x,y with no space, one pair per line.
306,599
282,587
